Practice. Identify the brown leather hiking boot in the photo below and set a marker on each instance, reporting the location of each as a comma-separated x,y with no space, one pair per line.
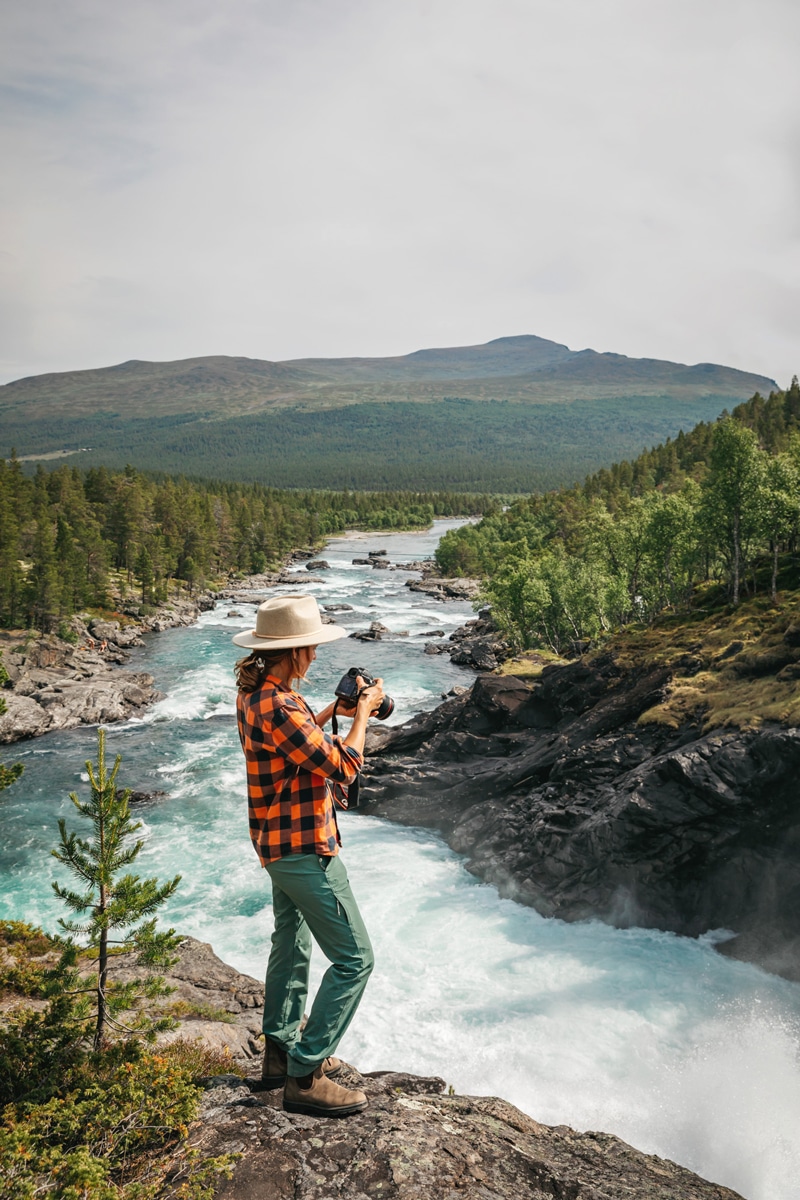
273,1070
322,1098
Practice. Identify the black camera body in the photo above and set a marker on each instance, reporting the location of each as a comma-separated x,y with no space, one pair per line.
348,689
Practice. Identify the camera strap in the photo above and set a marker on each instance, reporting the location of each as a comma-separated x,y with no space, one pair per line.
353,788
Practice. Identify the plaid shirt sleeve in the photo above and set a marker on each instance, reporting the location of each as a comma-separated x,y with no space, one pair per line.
298,737
294,771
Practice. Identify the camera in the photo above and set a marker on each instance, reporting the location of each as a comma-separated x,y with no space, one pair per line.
348,689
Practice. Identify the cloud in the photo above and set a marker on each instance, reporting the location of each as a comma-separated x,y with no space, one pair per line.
353,177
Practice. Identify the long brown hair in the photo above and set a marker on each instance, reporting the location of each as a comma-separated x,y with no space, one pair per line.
251,671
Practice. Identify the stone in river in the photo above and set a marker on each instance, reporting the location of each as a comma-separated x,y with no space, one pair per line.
375,633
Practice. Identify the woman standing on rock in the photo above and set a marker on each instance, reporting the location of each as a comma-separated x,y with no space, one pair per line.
295,775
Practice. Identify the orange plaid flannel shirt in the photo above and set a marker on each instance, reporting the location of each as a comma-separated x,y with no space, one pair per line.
293,770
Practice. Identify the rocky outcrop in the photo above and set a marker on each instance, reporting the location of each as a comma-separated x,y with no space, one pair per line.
57,684
478,644
413,1142
210,1000
557,796
77,686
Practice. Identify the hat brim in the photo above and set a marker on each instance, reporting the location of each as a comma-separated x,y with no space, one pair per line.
250,640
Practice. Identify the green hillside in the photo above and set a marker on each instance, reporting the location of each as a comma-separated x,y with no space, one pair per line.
516,414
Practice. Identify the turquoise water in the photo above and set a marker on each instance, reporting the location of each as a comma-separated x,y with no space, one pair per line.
636,1032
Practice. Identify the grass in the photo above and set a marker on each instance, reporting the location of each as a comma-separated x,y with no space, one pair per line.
185,1010
733,668
197,1059
529,664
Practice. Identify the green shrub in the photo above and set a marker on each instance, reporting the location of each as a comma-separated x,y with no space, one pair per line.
109,1136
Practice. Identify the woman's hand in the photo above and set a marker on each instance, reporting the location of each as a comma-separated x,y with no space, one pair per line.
369,701
370,698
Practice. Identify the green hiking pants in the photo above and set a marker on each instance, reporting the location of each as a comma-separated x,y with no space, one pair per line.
311,895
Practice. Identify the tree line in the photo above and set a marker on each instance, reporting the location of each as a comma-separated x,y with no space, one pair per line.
71,540
720,503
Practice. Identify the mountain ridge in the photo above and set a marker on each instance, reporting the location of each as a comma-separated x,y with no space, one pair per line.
534,370
515,414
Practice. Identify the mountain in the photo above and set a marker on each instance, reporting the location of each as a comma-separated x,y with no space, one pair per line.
530,413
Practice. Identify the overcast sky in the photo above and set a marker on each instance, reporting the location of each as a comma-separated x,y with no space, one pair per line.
290,178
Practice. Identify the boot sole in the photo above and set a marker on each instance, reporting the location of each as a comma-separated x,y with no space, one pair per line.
314,1110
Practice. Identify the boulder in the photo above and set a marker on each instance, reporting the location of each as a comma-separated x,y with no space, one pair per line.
446,589
23,718
481,653
375,633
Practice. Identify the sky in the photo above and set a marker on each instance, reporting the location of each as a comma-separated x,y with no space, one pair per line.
291,178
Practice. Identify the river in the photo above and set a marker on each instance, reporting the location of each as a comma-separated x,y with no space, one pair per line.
644,1034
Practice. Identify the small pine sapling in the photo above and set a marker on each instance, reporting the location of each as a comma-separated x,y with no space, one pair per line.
115,910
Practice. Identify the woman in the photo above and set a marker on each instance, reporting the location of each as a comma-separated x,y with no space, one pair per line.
296,774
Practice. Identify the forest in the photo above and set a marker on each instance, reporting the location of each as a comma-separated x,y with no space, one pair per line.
719,506
66,534
447,444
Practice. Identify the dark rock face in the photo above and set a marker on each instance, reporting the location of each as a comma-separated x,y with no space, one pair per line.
414,1143
476,644
557,796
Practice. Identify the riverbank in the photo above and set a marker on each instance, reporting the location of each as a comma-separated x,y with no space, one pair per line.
54,683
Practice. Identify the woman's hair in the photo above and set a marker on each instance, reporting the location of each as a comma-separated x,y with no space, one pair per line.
252,671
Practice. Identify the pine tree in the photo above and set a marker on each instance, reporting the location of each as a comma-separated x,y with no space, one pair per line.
144,569
110,902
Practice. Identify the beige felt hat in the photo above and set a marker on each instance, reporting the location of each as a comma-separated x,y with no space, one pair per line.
286,622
